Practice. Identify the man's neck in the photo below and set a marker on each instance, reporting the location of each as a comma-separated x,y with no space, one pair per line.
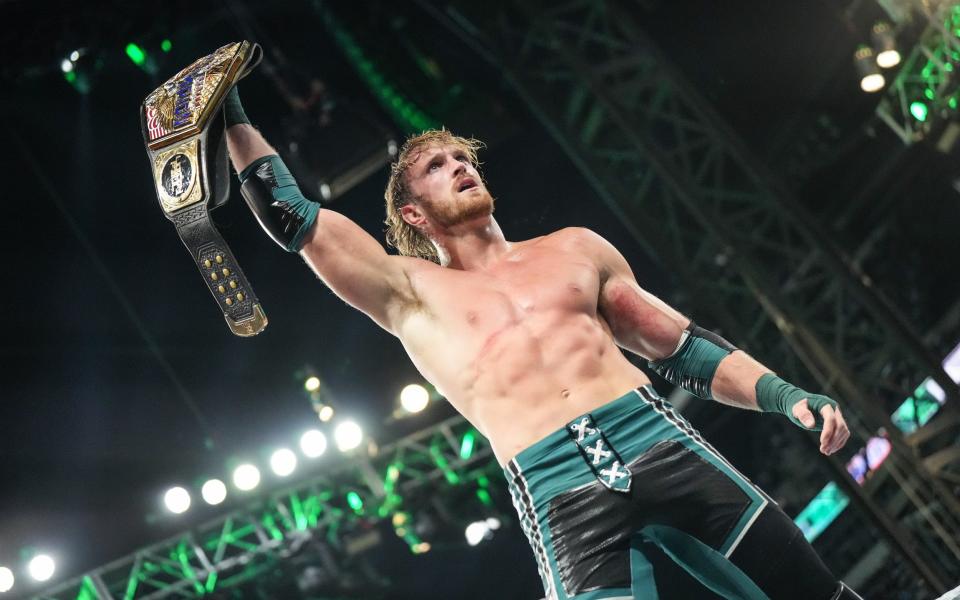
472,246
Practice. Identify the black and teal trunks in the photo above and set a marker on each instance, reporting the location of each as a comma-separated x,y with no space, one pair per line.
633,477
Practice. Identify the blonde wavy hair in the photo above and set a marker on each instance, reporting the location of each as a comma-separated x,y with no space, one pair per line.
406,238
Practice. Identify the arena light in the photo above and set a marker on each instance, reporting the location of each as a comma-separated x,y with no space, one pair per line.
6,580
136,54
166,45
467,444
66,65
75,55
41,567
313,443
355,502
919,111
312,383
885,45
325,413
283,462
213,492
246,477
414,398
177,500
871,80
347,435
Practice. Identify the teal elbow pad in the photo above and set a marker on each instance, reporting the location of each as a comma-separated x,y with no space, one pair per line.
695,362
272,194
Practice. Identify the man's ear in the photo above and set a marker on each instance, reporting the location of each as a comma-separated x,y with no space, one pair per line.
412,214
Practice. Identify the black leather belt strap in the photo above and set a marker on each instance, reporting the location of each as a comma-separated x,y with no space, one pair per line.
183,129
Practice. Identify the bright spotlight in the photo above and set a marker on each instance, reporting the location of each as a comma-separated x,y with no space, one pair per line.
246,477
885,44
75,55
872,83
414,398
348,435
476,532
66,65
325,413
313,443
312,384
870,78
41,567
888,59
177,500
6,580
213,492
283,462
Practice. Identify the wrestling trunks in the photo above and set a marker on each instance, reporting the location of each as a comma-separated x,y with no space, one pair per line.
634,477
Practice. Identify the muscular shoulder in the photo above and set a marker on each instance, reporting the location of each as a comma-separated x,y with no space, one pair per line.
592,245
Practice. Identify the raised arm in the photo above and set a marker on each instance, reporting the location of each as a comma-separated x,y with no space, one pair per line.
347,259
696,359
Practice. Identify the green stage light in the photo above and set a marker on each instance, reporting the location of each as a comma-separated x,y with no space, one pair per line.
919,111
166,45
467,444
355,501
136,54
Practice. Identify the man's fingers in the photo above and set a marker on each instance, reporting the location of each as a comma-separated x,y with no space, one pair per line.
841,431
829,429
803,414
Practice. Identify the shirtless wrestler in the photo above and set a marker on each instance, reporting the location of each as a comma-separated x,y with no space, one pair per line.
524,338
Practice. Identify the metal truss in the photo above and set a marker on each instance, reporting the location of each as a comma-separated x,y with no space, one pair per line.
924,95
744,251
242,545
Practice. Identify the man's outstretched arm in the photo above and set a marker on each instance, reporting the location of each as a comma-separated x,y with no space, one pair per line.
348,260
699,360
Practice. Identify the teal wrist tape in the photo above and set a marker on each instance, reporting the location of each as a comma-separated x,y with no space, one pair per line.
776,395
233,111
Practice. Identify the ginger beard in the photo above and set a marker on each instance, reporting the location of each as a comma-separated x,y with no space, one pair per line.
465,206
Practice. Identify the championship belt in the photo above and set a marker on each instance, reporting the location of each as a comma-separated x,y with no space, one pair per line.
183,128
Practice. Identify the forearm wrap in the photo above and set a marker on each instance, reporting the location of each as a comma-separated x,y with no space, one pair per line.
275,199
695,362
776,395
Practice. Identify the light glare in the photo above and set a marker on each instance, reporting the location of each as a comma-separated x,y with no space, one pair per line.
348,435
6,580
888,58
325,413
66,65
214,492
246,477
283,462
177,500
312,384
872,83
41,567
313,443
414,398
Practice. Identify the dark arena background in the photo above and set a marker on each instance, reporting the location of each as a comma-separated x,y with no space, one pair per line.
786,172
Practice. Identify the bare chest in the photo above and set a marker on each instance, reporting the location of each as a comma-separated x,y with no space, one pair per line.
534,284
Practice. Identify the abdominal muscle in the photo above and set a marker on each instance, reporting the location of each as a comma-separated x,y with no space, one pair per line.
527,378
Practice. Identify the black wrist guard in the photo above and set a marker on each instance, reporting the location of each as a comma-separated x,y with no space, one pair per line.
275,199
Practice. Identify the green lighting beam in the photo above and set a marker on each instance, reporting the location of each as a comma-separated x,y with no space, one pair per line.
136,54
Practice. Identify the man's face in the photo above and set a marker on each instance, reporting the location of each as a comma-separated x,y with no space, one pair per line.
448,188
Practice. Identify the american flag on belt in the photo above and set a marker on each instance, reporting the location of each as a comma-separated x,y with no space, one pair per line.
154,128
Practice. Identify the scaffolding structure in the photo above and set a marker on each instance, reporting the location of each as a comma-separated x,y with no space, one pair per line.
335,509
